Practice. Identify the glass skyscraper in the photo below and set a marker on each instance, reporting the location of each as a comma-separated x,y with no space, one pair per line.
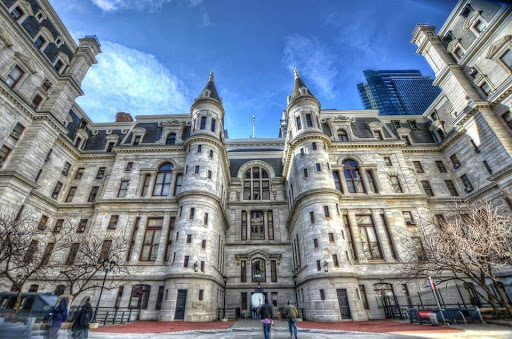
403,92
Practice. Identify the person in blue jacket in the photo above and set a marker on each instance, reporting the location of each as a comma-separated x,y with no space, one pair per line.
59,315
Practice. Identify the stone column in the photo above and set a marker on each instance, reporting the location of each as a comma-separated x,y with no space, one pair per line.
382,236
163,240
343,182
365,181
357,236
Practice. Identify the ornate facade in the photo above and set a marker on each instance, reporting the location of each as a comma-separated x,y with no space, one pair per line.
316,216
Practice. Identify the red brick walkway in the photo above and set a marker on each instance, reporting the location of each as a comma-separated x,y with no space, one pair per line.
164,326
376,326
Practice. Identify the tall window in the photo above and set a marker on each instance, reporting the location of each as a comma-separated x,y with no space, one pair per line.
4,153
56,190
371,181
273,270
171,139
14,76
132,239
163,180
353,177
244,226
256,184
309,122
299,123
203,123
364,298
342,135
427,188
257,226
370,242
212,126
451,187
178,184
105,250
145,185
337,181
140,296
258,270
348,232
395,184
440,166
467,184
243,271
123,188
151,239
93,194
270,222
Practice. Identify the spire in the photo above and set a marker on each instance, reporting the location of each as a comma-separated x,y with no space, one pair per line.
209,91
299,88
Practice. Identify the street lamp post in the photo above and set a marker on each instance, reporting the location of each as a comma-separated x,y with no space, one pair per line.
107,267
224,307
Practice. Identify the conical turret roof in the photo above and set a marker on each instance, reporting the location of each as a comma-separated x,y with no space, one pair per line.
209,91
299,87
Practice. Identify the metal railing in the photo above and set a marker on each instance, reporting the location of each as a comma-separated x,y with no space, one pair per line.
110,315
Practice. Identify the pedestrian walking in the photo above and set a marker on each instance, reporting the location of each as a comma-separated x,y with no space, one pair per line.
267,315
58,316
291,313
80,328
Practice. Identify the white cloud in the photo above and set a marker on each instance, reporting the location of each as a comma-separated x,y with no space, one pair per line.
313,60
113,5
131,81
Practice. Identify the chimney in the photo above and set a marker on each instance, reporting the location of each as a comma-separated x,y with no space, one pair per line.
123,117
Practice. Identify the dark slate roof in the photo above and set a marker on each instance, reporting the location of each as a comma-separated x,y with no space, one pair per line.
423,135
153,132
99,141
360,127
256,150
73,125
213,90
186,133
297,84
326,129
235,164
390,127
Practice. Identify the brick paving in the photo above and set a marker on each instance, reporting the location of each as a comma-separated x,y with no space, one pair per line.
164,327
375,326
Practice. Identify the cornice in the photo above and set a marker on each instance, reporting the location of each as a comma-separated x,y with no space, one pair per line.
67,145
143,148
20,178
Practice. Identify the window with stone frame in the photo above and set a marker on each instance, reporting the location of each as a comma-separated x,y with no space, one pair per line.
151,240
145,185
455,161
17,13
71,194
110,146
101,173
168,243
56,190
468,187
37,101
93,194
364,298
371,181
273,270
105,250
79,173
486,88
337,181
387,161
441,167
163,180
82,225
427,188
370,241
348,232
17,131
409,220
159,297
506,58
395,184
419,250
132,239
178,184
335,260
342,135
139,297
244,226
243,271
256,184
244,300
298,122
123,188
270,225
73,251
14,76
418,167
258,270
257,223
59,223
507,117
451,188
32,248
112,223
171,139
353,177
378,135
43,222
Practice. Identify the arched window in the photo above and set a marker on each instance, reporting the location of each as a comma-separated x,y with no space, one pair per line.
353,177
342,135
258,270
163,180
171,139
256,184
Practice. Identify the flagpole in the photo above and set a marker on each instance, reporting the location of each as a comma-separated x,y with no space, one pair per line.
432,288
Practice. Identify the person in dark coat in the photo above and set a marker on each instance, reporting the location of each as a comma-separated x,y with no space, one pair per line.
80,328
59,315
267,315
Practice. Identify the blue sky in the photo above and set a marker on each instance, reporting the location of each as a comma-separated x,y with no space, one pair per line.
157,53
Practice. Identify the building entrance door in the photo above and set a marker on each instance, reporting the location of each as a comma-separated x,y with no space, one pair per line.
257,299
180,305
343,302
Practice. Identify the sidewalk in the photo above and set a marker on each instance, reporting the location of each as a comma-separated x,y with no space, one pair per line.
141,327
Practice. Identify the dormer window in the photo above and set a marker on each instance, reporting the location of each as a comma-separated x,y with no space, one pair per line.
78,142
466,11
37,101
136,140
39,16
378,135
58,42
110,146
479,25
59,66
17,13
342,135
40,41
413,125
506,58
396,124
458,53
171,139
434,116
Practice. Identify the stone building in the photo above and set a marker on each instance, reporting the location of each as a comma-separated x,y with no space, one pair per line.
316,216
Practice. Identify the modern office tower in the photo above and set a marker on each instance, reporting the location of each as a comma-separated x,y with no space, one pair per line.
402,92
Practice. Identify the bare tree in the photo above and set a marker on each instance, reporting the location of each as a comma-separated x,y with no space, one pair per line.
82,269
26,248
473,243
